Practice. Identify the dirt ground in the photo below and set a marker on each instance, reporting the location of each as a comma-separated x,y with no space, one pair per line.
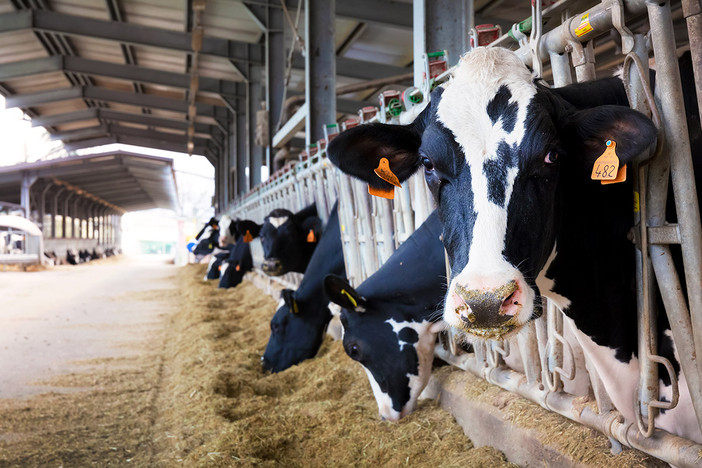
168,374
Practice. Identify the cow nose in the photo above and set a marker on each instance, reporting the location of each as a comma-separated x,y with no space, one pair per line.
486,308
272,266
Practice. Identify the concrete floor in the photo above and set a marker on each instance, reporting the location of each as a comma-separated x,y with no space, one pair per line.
52,318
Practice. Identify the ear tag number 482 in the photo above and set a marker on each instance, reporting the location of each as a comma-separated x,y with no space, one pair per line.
606,168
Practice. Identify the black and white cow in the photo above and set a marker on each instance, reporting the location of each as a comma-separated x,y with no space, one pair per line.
297,328
289,239
239,261
509,164
71,257
215,265
388,322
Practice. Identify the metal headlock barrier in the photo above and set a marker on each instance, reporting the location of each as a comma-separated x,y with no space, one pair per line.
547,362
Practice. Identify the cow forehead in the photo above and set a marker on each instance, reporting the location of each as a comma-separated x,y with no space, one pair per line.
277,221
486,101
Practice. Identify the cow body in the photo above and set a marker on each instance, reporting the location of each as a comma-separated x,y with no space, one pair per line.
289,240
297,328
215,264
509,163
239,261
388,321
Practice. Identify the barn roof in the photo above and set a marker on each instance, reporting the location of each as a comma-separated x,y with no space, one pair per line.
126,181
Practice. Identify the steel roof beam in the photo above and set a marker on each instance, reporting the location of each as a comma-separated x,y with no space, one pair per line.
120,130
107,95
139,74
131,140
119,116
359,69
128,33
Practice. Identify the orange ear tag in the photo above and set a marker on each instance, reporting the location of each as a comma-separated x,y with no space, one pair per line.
606,166
248,237
384,172
219,268
621,177
238,267
311,237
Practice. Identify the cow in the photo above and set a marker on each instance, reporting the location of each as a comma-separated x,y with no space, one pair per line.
71,257
289,239
509,163
297,328
215,264
239,261
389,322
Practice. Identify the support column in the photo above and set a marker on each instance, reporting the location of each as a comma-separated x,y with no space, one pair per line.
447,26
54,211
76,215
242,155
256,97
275,55
320,67
65,214
42,207
27,181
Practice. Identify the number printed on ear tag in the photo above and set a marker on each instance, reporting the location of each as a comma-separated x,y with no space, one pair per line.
607,165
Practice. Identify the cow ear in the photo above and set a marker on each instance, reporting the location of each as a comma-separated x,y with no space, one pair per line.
288,295
312,229
359,150
247,229
587,131
341,293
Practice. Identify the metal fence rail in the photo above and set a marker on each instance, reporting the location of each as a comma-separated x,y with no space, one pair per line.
544,362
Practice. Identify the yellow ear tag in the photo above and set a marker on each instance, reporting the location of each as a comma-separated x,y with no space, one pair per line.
295,309
606,166
248,237
310,237
353,301
621,177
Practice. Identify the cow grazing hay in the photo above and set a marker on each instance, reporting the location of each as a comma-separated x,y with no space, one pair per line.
221,409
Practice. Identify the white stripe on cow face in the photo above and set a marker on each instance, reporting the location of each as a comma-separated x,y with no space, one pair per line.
278,221
485,107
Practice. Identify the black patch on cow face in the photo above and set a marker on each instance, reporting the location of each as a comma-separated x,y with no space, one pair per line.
496,172
500,106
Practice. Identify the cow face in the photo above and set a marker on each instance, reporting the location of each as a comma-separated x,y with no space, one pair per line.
395,350
296,333
496,149
288,241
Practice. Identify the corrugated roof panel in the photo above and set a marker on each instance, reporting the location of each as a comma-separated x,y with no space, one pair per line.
343,29
35,83
168,114
78,124
125,108
173,131
164,91
6,6
61,107
98,49
133,125
165,60
384,44
229,20
88,8
210,98
20,45
112,83
221,69
165,14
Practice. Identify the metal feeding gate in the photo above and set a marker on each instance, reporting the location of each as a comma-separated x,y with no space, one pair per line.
372,227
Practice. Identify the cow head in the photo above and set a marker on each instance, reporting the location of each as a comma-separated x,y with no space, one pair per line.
296,333
288,240
395,350
497,150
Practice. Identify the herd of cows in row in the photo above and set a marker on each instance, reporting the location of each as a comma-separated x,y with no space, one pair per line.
76,257
509,162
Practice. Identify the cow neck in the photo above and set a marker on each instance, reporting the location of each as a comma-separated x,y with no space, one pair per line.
415,273
594,264
327,258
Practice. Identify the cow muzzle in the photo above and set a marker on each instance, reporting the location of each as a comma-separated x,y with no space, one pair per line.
272,267
486,313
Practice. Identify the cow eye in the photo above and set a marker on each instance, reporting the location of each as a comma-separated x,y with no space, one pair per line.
428,165
551,157
353,352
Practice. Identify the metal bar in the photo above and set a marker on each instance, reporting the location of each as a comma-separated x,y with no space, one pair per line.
670,102
320,67
291,127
